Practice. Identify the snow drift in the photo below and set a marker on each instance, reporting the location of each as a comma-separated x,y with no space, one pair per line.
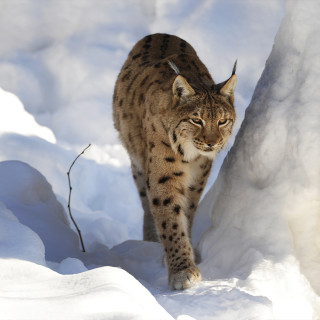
265,203
104,293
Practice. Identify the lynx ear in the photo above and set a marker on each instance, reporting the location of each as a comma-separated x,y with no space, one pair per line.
227,87
181,88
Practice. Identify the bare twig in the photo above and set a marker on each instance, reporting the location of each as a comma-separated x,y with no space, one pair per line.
70,190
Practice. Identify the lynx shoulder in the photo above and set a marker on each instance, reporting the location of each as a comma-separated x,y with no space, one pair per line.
173,120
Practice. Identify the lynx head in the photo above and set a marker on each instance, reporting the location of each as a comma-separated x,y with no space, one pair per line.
203,118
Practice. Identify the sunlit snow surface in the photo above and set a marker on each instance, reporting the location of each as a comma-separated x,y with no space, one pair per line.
258,226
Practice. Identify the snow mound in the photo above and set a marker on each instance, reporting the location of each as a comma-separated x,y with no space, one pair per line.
104,293
29,196
18,241
265,203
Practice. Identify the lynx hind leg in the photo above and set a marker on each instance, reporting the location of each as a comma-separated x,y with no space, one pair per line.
149,231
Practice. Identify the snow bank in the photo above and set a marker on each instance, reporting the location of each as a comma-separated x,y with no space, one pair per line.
265,202
104,293
18,241
29,196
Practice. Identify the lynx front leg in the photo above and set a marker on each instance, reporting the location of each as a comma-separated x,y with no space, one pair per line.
172,228
168,200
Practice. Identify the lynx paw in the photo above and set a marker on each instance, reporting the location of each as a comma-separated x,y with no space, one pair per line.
184,279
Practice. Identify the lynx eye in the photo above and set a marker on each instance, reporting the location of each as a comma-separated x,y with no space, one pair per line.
223,122
197,121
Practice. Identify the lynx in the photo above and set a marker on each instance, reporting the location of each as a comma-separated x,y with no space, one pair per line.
173,120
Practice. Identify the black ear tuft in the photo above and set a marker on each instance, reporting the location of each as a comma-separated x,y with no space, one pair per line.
234,68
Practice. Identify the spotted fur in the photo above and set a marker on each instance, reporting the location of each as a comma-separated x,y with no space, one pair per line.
173,119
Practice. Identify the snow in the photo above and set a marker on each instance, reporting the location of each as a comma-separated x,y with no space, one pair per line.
97,294
17,120
258,225
274,166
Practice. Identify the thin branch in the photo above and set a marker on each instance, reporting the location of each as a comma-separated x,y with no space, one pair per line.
70,190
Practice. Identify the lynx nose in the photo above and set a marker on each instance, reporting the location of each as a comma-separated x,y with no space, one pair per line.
213,141
211,138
